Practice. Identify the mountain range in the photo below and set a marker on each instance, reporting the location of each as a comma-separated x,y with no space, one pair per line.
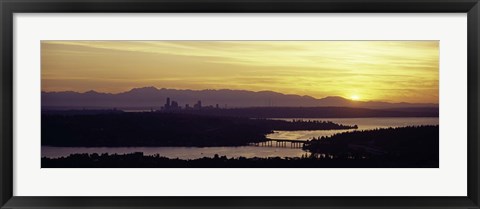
151,97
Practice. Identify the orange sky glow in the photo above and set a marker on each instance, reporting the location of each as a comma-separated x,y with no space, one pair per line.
394,71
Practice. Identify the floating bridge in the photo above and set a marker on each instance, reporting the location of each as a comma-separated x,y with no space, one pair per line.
293,143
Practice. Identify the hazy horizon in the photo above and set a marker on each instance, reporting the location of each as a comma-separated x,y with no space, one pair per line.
200,90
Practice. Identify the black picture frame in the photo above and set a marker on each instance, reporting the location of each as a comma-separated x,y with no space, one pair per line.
10,7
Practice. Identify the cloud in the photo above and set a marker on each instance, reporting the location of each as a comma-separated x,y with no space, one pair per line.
316,68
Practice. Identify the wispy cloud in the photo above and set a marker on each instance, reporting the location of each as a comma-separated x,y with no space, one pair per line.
316,68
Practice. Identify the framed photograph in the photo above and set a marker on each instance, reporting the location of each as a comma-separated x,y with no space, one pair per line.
239,104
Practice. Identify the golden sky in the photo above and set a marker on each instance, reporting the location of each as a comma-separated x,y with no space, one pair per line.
394,71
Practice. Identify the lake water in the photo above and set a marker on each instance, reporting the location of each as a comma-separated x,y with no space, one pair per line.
362,123
247,151
180,152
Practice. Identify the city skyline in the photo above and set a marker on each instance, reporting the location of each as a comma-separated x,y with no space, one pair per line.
392,71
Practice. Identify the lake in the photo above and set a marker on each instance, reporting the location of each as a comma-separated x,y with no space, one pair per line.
247,151
362,123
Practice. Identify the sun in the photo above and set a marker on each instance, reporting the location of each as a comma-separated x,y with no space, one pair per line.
355,97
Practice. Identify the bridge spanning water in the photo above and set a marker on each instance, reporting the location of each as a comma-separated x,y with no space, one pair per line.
281,143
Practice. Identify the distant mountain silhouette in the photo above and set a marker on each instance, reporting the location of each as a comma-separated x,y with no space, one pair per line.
151,97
